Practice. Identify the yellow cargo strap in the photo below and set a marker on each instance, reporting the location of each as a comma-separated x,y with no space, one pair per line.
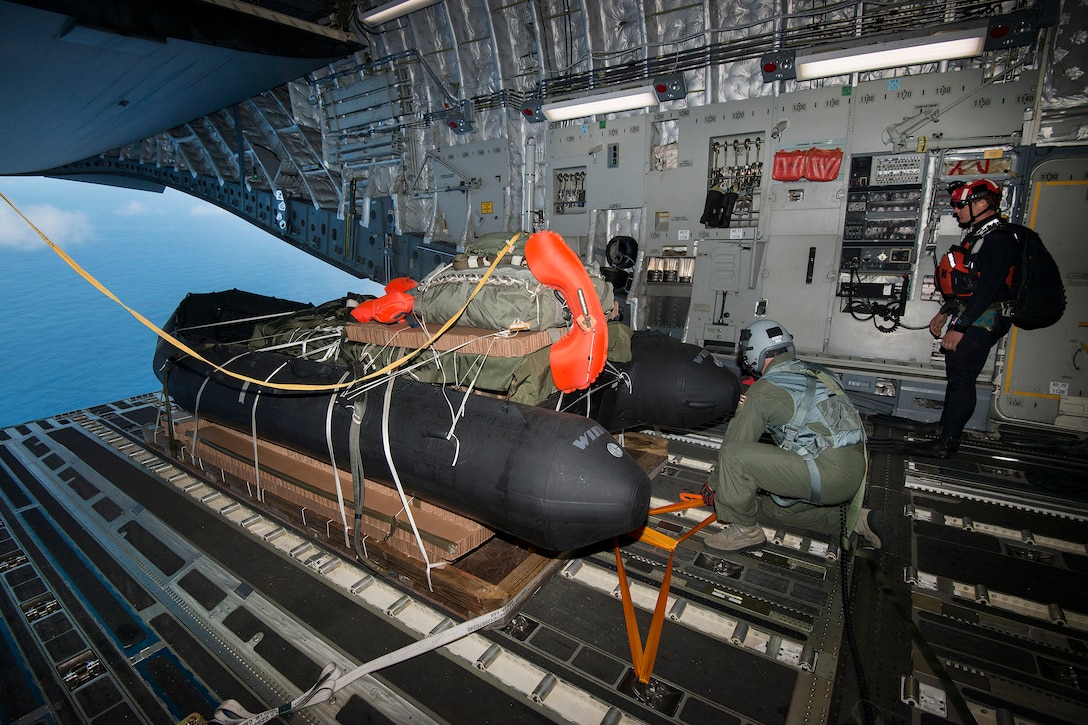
237,376
642,658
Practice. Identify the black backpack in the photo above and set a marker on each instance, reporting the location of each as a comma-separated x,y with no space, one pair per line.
1039,295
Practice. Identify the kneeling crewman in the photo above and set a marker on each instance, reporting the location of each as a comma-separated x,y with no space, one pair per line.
817,463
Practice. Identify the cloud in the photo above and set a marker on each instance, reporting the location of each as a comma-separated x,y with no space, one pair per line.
134,208
206,209
62,227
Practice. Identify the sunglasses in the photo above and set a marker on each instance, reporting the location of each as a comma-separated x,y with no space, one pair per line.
960,204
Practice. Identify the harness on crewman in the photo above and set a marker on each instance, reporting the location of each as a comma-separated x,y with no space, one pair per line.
823,418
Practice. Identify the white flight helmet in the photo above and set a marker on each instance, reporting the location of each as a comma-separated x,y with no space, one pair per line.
761,341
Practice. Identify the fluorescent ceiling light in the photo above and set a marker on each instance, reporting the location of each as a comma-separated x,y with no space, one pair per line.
839,61
613,102
393,10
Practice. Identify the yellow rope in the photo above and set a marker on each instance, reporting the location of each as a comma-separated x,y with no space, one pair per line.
277,386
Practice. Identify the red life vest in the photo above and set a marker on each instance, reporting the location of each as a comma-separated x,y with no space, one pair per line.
956,276
955,273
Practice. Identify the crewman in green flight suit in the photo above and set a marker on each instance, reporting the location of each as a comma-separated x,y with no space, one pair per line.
817,461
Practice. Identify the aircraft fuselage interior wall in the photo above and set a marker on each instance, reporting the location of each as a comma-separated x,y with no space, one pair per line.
822,208
834,203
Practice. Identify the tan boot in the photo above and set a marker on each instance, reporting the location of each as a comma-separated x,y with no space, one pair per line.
871,526
735,538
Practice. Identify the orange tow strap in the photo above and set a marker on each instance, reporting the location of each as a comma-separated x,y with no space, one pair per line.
643,659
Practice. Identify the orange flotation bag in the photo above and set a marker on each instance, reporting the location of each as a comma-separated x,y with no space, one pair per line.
578,357
393,306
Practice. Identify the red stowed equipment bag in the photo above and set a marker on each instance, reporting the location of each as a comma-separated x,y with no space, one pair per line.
823,164
789,165
1037,282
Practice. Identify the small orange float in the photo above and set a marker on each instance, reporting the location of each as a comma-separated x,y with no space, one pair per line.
579,356
391,307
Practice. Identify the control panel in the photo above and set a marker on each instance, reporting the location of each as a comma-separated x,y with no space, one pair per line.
881,233
881,229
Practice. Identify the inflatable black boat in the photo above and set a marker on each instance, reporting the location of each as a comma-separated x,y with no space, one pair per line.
554,479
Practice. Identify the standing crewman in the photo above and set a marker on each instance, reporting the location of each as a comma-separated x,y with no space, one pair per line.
975,277
817,461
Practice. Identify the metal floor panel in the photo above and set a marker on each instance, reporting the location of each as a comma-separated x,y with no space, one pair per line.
132,592
998,580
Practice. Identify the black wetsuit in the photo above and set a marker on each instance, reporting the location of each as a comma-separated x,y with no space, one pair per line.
981,320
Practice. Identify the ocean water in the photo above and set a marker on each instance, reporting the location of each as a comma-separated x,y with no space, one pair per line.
63,344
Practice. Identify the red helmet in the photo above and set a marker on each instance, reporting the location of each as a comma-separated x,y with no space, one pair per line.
977,189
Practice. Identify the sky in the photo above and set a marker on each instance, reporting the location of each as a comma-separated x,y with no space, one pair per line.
64,345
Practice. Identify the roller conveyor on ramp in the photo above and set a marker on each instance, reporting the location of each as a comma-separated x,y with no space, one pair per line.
989,564
134,591
179,596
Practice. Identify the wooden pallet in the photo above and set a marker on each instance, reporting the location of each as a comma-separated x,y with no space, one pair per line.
316,488
466,340
483,571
